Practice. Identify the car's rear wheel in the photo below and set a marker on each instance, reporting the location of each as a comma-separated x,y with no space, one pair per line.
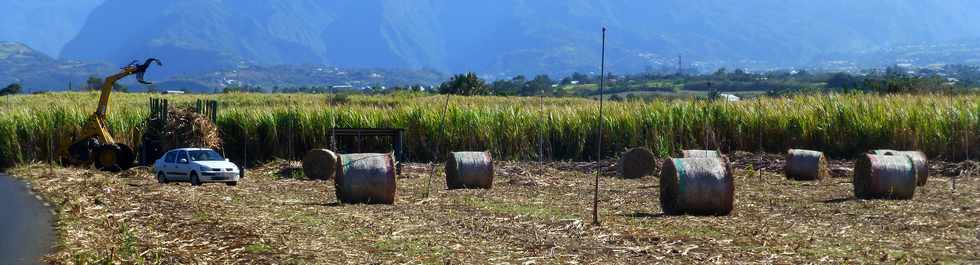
195,180
162,178
233,183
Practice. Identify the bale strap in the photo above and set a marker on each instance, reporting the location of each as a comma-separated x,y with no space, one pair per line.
681,174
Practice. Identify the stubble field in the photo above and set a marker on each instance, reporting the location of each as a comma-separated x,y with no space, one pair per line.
535,214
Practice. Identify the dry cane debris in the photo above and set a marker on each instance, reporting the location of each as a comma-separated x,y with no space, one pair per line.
535,214
184,128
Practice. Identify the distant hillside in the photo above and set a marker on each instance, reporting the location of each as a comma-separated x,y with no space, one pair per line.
36,71
511,36
292,76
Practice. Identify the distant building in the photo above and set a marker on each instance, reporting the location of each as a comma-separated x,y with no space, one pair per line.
172,92
729,97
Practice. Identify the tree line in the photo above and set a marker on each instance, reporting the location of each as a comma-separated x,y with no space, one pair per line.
892,79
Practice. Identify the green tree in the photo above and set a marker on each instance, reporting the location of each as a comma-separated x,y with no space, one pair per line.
234,88
581,78
119,87
93,83
464,84
721,73
509,87
11,89
540,83
843,81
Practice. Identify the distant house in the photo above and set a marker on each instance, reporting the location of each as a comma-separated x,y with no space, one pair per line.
172,92
729,97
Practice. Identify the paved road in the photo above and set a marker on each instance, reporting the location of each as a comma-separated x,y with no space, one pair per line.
26,231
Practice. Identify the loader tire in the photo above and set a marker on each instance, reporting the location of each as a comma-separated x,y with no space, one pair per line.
106,158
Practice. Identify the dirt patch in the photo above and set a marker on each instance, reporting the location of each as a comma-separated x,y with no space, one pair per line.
534,214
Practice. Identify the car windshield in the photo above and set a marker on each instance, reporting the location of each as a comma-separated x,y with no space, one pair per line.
205,155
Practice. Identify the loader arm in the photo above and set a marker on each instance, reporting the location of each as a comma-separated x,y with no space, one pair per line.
95,131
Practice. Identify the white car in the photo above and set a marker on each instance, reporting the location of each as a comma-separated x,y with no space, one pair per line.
197,165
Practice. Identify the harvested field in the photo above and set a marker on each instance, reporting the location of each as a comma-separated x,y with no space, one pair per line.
534,214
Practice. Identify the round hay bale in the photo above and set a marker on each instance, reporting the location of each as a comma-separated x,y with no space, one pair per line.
366,178
884,177
806,165
469,170
320,164
701,153
698,186
637,163
920,160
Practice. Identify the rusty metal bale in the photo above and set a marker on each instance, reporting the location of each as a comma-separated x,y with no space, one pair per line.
637,163
319,164
469,170
921,163
366,178
884,177
920,160
701,153
697,186
806,165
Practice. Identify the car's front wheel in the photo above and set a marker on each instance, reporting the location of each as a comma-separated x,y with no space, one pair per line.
162,178
195,181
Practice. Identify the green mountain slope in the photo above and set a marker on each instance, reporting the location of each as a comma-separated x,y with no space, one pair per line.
37,71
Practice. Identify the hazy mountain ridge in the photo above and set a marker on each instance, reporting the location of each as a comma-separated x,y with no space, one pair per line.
506,37
37,71
45,25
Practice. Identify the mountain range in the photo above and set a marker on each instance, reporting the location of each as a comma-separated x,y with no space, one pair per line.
38,71
503,37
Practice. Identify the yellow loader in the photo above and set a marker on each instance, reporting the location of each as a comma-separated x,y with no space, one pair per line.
94,145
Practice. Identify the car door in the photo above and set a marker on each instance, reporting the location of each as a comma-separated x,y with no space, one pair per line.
182,166
167,164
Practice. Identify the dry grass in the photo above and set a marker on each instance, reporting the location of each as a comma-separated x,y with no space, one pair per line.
534,214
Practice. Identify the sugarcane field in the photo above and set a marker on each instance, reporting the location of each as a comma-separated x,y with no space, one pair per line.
526,195
489,132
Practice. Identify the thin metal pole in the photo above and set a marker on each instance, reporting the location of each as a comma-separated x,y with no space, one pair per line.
541,134
442,124
333,121
598,158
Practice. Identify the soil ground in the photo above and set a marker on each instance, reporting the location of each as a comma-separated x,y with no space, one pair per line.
535,214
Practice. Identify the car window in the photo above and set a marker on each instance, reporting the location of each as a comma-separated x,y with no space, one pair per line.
182,155
171,157
205,155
